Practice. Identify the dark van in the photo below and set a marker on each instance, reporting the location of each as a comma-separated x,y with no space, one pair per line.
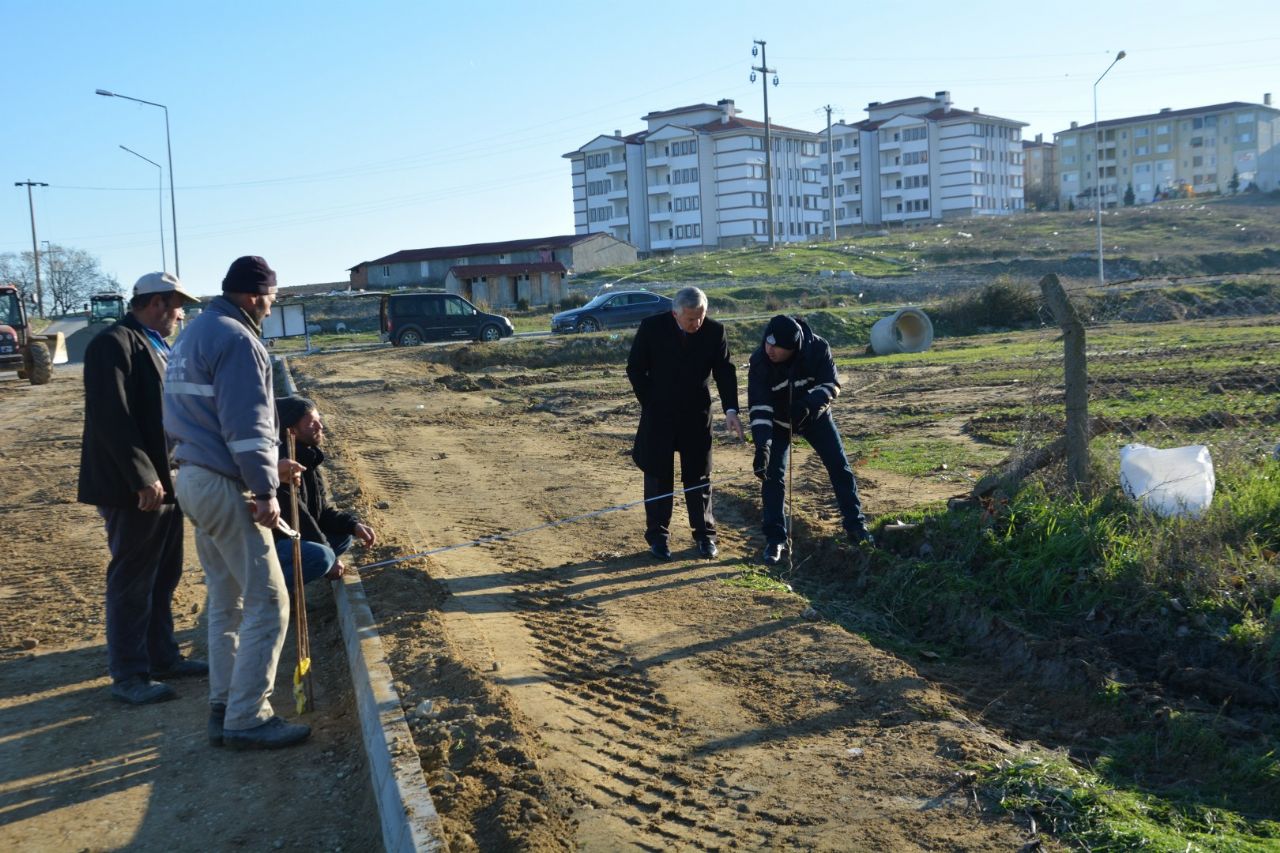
409,319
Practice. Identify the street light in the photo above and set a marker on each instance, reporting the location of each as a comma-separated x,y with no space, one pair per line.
160,187
35,246
1097,163
173,208
765,71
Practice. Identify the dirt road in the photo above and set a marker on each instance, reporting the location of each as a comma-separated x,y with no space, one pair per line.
582,695
81,772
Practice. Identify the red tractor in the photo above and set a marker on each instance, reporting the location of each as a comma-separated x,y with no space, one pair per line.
32,355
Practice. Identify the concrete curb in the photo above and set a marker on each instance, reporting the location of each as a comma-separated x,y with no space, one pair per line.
405,809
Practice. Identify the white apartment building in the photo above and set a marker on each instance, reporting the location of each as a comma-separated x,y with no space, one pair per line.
1193,150
695,178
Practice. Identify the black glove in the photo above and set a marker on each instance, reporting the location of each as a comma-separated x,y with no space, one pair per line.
799,415
761,460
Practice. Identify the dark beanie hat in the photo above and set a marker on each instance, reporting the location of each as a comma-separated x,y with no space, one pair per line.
293,409
249,274
783,331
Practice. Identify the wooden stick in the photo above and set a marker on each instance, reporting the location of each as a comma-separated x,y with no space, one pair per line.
299,594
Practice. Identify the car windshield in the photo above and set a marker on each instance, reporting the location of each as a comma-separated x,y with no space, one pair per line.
598,300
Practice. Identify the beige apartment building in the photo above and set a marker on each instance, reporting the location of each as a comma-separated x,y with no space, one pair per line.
1171,152
1039,173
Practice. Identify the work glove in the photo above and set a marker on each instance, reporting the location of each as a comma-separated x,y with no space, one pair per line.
799,415
761,460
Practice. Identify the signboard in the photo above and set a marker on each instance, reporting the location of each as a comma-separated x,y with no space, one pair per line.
285,321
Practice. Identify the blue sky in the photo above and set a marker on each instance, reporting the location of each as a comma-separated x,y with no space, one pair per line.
322,134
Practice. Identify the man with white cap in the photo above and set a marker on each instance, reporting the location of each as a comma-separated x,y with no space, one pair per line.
125,471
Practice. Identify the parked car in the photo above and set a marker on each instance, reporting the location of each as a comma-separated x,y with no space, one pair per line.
409,319
611,310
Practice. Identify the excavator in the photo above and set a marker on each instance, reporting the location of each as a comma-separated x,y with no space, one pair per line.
32,355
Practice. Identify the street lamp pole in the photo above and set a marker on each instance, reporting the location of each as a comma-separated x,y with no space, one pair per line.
160,187
1097,164
173,205
35,246
765,71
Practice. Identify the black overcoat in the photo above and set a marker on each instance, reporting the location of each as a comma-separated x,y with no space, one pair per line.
671,374
317,519
123,449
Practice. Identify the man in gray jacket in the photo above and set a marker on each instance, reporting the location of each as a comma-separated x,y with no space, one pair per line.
219,411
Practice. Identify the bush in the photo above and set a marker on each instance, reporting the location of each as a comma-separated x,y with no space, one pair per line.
522,304
1001,304
573,300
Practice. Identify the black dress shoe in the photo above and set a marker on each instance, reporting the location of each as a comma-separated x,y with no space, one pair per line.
140,690
217,716
660,550
182,668
275,733
773,553
859,537
707,548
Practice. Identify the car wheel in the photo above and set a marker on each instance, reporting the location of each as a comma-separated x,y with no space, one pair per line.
490,333
409,338
588,324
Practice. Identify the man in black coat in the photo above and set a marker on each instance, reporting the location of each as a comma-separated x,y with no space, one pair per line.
673,358
791,386
125,471
326,531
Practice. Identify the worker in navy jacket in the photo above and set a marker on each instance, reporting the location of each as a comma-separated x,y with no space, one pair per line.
791,384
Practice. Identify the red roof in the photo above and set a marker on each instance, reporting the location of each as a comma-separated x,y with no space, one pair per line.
563,241
739,123
1215,108
692,108
901,102
478,270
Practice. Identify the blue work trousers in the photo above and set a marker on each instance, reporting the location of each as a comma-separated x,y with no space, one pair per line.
317,558
824,438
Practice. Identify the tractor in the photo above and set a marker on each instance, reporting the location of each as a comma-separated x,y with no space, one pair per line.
105,308
32,355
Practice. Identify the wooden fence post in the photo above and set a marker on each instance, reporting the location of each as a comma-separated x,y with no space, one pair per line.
1076,375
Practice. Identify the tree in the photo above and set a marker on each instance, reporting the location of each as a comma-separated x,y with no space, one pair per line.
68,276
1129,197
1071,204
1234,183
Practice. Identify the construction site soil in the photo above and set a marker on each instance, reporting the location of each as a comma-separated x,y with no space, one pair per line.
567,691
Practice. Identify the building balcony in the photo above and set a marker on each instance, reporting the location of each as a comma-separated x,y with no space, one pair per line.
616,166
659,216
658,160
658,189
616,193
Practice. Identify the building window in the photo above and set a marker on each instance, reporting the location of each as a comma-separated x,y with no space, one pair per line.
1141,132
386,271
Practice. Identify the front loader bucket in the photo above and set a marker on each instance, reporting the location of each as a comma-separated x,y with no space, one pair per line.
57,344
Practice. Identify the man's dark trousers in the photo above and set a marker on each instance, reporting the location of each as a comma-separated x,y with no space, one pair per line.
146,564
695,471
824,438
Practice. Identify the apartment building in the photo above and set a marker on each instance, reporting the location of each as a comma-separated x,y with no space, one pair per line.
695,177
1196,150
1039,179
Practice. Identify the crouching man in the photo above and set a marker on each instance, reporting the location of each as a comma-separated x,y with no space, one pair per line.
791,385
327,532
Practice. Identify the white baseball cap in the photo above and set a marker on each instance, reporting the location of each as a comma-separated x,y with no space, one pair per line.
162,282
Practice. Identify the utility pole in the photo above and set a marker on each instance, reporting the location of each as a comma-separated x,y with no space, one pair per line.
831,173
35,246
765,71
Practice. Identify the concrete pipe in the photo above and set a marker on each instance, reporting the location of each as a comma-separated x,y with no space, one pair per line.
905,330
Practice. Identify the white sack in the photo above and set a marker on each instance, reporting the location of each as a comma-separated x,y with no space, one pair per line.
1174,482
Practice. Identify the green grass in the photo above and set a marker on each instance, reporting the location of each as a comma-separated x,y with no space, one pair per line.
1082,806
918,457
752,577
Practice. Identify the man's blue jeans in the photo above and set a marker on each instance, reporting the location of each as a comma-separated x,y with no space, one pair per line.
824,437
317,559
